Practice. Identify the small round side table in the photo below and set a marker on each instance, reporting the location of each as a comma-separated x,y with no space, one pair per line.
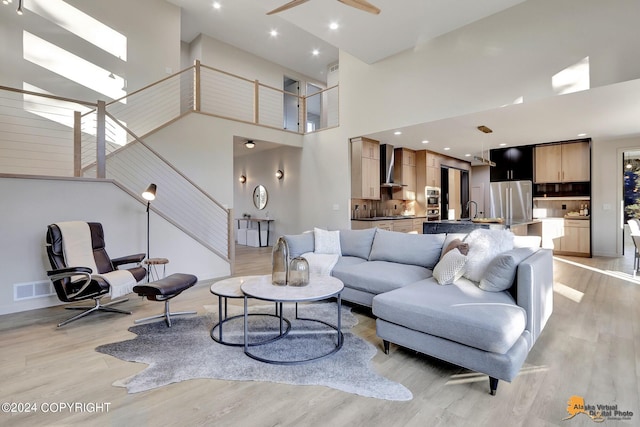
153,264
230,288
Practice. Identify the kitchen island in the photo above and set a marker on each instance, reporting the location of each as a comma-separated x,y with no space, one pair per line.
518,227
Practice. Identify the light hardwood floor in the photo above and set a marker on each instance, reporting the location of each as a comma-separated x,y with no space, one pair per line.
590,348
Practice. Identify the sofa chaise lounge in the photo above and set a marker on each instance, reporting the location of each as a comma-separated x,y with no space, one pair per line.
488,329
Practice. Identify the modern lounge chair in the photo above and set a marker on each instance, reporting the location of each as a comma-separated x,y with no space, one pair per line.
82,269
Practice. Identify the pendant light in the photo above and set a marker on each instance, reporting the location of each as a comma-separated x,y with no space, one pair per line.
484,160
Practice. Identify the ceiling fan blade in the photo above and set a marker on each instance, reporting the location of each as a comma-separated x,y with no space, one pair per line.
362,5
286,6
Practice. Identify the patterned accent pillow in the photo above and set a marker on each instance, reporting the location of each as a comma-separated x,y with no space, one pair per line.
327,242
450,268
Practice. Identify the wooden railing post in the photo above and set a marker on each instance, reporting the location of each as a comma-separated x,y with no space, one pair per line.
77,143
256,102
303,111
101,144
196,86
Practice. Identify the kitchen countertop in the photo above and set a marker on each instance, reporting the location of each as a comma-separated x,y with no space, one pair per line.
507,223
389,218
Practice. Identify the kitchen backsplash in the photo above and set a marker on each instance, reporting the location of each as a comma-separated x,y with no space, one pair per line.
550,208
372,208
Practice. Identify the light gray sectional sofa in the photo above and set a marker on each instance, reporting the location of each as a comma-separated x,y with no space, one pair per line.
487,332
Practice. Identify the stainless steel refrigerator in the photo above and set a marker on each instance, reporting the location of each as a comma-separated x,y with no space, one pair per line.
511,200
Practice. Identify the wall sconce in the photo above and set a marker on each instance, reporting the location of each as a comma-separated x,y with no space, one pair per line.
279,174
249,144
242,179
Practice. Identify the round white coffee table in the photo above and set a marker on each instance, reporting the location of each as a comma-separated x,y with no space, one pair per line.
230,288
319,288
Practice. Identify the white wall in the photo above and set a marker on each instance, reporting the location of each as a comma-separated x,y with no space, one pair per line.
29,205
153,45
283,204
491,63
223,56
607,190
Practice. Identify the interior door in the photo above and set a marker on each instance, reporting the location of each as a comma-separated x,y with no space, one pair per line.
291,88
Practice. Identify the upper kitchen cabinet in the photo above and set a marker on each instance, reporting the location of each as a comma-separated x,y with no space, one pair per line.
404,172
365,169
512,164
566,162
427,169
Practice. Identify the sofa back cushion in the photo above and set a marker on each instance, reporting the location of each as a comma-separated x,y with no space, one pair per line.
300,244
414,249
357,242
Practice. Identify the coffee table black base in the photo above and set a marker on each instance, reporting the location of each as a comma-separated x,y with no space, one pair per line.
335,349
218,337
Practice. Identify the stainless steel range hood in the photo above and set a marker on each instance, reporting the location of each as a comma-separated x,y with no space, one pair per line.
387,159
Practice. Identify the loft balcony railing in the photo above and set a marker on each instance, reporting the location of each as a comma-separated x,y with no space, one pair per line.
47,135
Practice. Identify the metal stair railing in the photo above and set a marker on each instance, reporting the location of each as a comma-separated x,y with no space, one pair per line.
180,201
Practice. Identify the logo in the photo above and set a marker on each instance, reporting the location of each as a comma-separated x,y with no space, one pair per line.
598,412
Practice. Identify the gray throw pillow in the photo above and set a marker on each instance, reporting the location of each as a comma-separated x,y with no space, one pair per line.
300,244
404,248
357,242
501,271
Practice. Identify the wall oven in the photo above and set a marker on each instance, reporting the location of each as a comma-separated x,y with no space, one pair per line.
432,196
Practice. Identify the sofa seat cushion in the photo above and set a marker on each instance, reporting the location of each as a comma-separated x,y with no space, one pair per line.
460,312
347,261
379,276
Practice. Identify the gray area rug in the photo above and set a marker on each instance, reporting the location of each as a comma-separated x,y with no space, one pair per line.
186,351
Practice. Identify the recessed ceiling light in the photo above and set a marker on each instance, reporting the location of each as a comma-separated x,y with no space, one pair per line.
333,26
397,132
582,134
315,52
216,5
447,148
273,33
425,141
502,144
467,155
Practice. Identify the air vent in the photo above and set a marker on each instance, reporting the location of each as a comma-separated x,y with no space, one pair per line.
30,290
334,67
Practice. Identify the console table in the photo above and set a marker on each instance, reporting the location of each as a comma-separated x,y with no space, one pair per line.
260,221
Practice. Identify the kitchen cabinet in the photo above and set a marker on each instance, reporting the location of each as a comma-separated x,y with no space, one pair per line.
361,225
512,164
427,175
568,162
404,172
428,169
417,225
402,225
576,237
409,225
567,236
365,169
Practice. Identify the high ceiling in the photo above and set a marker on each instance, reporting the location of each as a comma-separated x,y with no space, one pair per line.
400,26
604,112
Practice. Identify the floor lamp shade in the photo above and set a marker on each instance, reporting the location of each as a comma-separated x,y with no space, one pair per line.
150,192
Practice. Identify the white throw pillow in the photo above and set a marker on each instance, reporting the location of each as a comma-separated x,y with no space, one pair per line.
327,242
450,268
484,246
